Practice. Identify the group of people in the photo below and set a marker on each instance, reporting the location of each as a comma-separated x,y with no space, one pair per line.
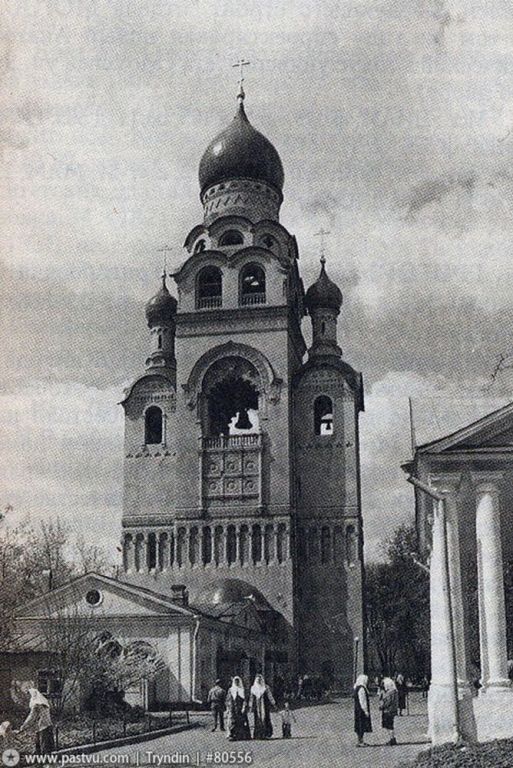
392,698
238,708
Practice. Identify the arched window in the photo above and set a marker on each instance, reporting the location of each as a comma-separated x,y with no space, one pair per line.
200,246
206,546
252,285
163,558
269,542
231,545
218,544
159,342
325,544
281,543
338,545
323,415
256,544
231,237
181,547
244,545
153,425
209,293
193,546
351,545
151,553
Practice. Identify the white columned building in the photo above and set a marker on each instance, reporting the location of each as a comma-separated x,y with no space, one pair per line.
468,531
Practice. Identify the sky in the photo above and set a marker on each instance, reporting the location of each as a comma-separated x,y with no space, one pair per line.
394,122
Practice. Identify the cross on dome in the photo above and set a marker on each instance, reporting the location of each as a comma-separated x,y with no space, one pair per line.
241,63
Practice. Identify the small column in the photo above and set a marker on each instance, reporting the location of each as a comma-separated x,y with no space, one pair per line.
448,485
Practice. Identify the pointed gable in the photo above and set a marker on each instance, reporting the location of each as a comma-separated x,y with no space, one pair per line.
100,596
493,431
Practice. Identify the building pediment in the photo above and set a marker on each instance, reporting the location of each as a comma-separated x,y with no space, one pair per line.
97,596
494,432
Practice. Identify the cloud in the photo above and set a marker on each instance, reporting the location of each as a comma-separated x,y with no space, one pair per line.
61,456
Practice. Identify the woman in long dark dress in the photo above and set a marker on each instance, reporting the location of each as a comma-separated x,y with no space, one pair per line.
362,718
260,702
238,725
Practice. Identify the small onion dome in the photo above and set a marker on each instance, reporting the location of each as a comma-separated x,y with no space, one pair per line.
240,152
323,294
162,307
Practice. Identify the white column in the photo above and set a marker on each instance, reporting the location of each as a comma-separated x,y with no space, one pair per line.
494,705
442,700
448,485
492,608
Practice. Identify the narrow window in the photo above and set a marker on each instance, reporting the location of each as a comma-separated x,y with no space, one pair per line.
218,544
351,545
244,545
256,544
152,551
180,547
269,543
281,543
323,415
231,237
200,246
268,241
193,546
323,327
206,546
231,545
252,285
325,544
153,425
209,293
160,341
163,551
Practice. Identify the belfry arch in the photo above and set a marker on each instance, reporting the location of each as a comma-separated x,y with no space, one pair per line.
269,384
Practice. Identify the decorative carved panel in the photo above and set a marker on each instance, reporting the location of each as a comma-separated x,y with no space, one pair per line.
231,468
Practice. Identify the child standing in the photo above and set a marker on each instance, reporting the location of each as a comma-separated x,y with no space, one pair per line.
287,716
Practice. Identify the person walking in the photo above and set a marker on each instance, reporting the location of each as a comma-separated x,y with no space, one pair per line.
402,693
388,706
238,725
39,722
260,702
216,699
362,716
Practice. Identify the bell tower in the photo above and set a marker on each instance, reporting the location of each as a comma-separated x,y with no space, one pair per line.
241,459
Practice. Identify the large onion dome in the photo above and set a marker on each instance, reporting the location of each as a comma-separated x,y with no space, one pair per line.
323,294
240,152
162,307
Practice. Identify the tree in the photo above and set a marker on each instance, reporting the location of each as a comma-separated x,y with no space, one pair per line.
397,609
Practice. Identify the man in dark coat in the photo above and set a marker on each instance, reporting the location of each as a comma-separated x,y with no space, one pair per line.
217,699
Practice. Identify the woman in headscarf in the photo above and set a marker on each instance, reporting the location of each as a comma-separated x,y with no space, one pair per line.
388,705
39,722
260,702
402,693
362,718
238,726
